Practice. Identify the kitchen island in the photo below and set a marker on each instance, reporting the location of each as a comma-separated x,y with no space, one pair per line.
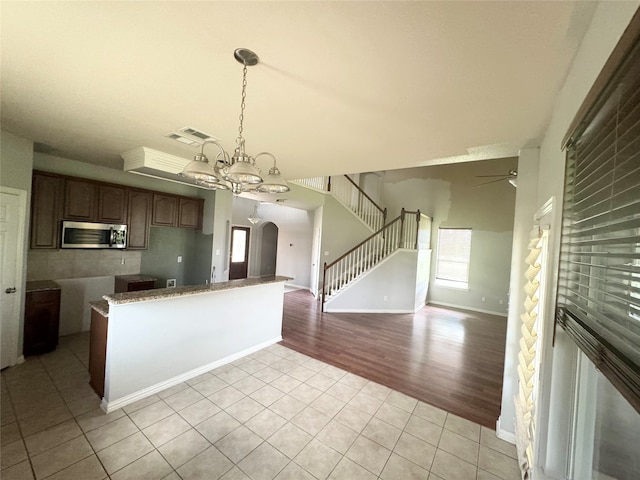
159,338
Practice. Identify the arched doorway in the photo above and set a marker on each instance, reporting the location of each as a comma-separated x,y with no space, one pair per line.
268,249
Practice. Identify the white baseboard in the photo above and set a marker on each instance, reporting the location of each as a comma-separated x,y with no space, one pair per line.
359,310
504,434
463,307
297,287
109,407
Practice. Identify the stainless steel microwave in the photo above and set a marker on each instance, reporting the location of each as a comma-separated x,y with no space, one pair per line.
93,235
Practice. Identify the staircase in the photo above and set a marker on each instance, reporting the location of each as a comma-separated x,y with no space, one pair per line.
351,196
409,231
403,232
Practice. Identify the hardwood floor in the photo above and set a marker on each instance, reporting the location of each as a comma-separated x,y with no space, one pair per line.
450,359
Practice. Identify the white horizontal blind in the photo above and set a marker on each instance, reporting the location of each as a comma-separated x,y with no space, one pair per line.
599,280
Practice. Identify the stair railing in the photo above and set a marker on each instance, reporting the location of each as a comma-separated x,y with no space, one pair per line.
401,232
350,194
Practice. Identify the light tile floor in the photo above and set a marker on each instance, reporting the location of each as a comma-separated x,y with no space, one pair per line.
276,414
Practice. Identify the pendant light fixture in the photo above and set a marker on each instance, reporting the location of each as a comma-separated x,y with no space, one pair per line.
254,217
239,172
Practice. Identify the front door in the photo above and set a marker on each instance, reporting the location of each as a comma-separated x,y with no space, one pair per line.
239,253
12,209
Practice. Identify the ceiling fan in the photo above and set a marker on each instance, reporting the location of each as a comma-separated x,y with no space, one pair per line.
511,177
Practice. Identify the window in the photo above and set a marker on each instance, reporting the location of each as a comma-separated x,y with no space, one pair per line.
599,280
452,262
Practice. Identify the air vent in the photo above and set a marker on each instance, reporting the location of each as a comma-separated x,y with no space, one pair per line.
190,136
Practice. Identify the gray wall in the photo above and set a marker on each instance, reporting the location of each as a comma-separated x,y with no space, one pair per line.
450,195
165,245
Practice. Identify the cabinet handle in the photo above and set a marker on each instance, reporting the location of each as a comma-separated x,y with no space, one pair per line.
10,290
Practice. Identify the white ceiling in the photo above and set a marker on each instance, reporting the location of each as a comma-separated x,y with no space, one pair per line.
342,87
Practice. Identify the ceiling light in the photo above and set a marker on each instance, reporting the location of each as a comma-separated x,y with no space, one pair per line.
254,217
238,172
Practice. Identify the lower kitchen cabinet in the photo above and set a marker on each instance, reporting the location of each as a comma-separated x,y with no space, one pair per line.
98,350
41,318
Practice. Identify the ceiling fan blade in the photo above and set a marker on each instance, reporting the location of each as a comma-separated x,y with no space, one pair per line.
492,181
503,175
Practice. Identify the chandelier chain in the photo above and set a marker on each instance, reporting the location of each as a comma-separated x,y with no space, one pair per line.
242,104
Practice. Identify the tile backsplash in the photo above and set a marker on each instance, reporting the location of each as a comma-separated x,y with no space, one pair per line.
78,263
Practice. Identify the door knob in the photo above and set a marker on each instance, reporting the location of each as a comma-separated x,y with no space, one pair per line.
10,290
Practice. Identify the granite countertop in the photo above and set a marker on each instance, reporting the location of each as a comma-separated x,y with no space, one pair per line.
100,306
160,293
41,285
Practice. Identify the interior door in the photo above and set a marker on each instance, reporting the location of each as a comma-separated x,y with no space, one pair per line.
239,264
12,211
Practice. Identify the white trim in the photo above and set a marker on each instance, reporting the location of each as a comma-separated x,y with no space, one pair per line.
20,264
297,287
357,310
109,407
461,307
505,434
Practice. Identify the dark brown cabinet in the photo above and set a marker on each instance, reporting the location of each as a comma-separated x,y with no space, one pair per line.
165,210
139,218
134,283
47,192
189,212
112,204
80,200
41,320
98,351
58,197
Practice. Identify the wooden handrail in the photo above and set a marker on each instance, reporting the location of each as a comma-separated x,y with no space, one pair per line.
382,210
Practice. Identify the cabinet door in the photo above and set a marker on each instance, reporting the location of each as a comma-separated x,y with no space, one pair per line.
190,213
165,210
98,351
138,219
80,200
112,204
46,202
41,321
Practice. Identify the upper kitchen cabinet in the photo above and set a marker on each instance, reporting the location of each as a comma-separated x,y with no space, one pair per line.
80,200
165,210
46,203
190,212
112,204
140,206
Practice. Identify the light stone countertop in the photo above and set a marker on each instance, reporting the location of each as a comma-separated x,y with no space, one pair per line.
161,293
100,306
41,285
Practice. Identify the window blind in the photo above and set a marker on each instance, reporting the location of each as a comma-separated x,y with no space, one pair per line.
599,280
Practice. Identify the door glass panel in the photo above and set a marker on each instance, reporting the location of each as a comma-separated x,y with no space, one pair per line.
238,246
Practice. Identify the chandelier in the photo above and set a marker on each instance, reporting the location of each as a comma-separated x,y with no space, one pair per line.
254,217
239,172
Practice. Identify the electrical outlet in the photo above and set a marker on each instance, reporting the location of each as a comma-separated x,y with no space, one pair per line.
179,258
171,283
